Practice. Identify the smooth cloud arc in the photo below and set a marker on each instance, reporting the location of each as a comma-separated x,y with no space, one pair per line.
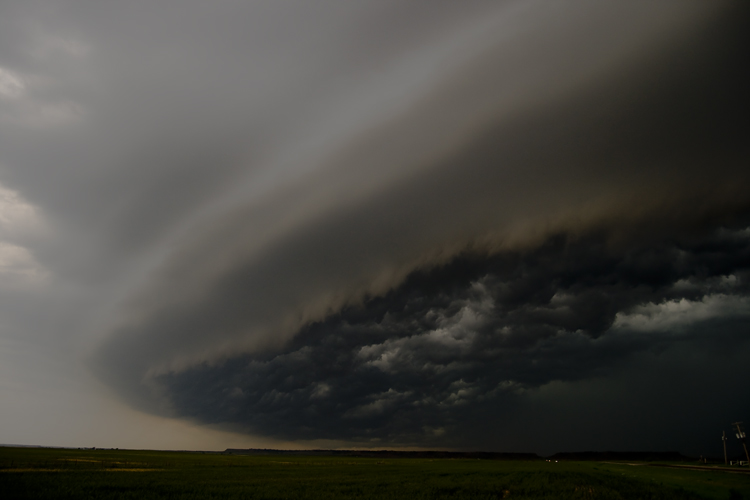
571,121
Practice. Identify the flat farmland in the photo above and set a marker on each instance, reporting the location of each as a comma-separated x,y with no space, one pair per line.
131,474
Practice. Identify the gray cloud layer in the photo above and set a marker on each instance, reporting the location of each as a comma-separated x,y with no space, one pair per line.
385,221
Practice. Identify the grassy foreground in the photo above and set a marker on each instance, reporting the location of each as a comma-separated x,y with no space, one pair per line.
104,474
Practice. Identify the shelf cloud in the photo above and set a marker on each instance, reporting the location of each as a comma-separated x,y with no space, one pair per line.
524,220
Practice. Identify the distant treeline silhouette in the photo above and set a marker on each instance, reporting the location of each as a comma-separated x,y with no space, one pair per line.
639,456
388,454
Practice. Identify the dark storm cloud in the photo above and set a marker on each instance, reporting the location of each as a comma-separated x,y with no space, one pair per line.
476,335
546,209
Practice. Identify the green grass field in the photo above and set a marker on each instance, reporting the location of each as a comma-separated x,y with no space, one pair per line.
105,474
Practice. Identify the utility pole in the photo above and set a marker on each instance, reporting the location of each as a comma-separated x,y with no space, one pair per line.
741,437
724,439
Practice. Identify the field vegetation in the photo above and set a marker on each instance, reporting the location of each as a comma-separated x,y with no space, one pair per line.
131,474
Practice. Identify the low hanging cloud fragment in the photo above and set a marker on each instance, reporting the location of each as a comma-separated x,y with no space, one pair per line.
504,232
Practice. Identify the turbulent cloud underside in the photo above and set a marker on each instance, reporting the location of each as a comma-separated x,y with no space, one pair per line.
514,228
475,335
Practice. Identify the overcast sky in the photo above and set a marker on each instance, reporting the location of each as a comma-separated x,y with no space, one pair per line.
507,225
